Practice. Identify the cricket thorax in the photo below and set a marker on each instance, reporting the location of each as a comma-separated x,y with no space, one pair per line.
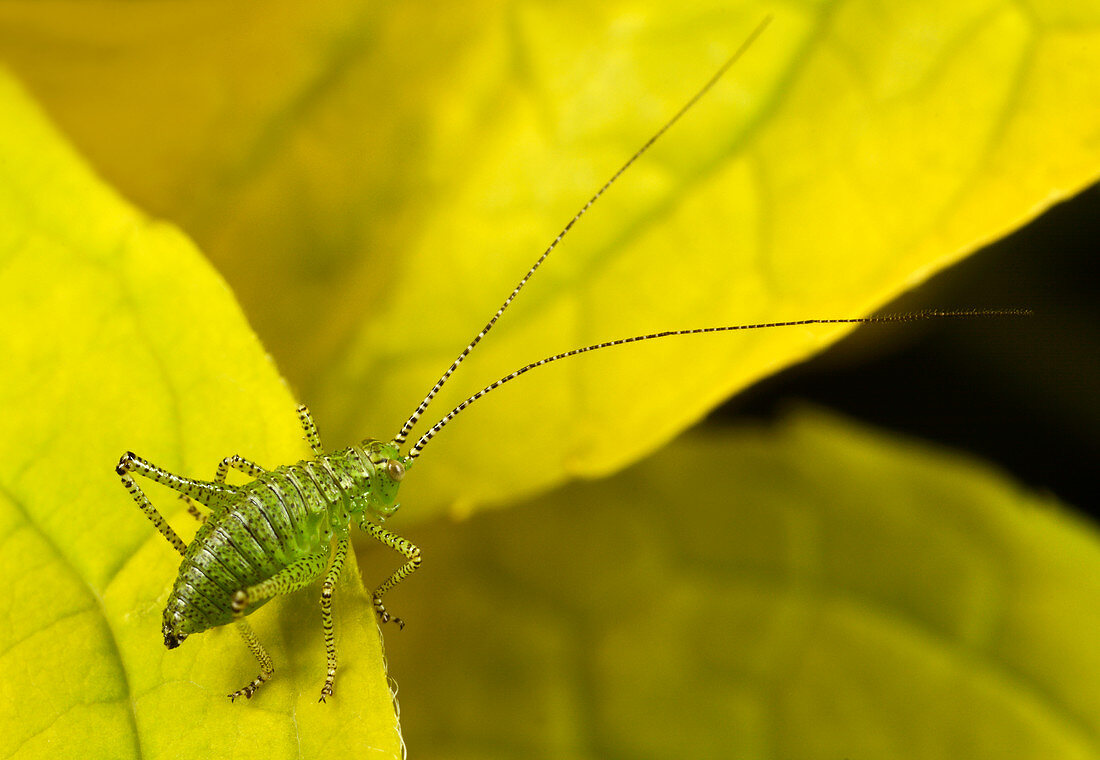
370,474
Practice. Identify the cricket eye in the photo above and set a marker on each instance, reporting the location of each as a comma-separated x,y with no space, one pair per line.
395,469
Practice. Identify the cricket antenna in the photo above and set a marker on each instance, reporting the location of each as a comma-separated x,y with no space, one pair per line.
414,452
403,434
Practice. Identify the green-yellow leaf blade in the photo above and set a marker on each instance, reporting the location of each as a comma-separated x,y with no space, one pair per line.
813,591
119,336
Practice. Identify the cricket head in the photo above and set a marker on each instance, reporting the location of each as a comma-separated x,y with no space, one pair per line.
389,470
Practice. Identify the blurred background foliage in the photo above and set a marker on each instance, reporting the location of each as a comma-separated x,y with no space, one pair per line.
351,169
1023,397
369,178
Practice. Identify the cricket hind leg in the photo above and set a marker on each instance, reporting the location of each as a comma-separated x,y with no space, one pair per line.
291,578
403,547
267,667
294,576
194,489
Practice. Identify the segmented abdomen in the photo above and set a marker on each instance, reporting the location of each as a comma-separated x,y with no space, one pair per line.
260,528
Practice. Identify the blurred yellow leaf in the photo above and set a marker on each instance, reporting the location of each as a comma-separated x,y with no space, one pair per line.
118,335
372,179
813,591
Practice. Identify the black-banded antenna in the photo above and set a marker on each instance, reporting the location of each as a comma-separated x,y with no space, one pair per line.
414,452
403,434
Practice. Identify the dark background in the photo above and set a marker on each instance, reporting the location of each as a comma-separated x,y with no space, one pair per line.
1021,393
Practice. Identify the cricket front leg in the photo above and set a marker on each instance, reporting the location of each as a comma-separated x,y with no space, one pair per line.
401,546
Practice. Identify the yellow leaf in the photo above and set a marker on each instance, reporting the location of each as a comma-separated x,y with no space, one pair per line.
118,335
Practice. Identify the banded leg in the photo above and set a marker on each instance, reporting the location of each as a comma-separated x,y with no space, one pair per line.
308,425
267,668
294,576
326,614
239,463
401,546
192,508
131,463
290,578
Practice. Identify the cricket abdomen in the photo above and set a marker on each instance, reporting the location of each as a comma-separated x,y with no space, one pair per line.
258,530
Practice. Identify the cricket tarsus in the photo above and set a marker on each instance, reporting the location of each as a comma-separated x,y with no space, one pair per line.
403,434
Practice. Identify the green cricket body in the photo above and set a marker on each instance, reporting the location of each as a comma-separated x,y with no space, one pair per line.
281,518
275,534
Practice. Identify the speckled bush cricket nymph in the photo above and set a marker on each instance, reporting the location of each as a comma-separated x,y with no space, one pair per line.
289,526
